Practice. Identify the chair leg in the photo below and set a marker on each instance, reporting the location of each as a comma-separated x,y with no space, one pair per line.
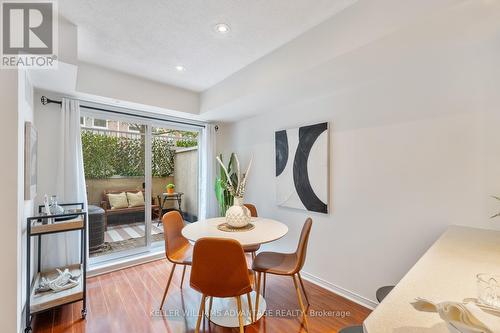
300,302
240,314
168,285
184,272
254,274
303,289
264,288
249,299
210,308
256,314
201,313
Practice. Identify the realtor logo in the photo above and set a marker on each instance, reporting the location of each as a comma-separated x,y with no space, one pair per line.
28,34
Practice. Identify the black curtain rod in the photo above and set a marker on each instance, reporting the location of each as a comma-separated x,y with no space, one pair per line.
45,100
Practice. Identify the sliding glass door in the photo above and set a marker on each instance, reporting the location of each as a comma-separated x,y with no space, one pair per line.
136,170
174,182
114,155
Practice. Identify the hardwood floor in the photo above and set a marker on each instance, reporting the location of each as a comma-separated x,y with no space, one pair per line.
123,301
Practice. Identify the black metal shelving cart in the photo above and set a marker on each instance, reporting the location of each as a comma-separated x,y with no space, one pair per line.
74,218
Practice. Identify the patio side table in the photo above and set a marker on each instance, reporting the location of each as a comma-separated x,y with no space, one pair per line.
176,196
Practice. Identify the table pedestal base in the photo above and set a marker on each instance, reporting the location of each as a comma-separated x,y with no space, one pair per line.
225,310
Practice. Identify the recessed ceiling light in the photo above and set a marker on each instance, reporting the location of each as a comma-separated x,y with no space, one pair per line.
222,28
180,68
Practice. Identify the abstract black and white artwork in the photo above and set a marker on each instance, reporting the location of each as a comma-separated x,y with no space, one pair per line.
302,167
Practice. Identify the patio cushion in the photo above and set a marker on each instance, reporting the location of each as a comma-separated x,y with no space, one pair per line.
117,201
135,199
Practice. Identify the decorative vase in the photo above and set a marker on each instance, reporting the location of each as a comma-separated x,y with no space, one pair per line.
238,216
54,208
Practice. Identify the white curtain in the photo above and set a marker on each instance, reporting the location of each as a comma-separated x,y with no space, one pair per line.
64,249
208,202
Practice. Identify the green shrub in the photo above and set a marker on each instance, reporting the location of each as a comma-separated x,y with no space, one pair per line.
105,156
163,158
99,154
186,143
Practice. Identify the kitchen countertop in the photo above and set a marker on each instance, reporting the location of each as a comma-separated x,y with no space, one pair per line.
446,272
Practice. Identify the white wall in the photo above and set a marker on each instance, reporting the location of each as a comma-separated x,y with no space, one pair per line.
414,144
99,81
47,118
9,240
25,207
186,178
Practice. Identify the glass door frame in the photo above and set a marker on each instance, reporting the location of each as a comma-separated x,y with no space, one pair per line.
149,124
174,126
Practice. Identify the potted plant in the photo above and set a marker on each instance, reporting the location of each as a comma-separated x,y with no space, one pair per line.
170,188
222,193
237,215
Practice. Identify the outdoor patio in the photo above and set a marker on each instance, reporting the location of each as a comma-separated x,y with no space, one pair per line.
127,237
114,166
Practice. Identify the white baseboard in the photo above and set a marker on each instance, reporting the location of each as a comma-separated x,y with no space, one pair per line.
368,303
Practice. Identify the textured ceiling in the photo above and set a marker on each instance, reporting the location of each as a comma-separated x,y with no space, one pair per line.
149,38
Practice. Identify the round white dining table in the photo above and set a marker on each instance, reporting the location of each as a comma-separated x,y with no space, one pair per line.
225,310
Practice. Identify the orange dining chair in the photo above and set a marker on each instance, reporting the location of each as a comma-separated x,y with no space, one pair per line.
220,270
288,264
251,248
177,248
